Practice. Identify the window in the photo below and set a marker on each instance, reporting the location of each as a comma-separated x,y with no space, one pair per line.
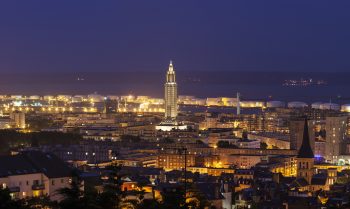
53,182
36,193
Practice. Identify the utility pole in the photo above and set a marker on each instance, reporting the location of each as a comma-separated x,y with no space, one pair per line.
183,150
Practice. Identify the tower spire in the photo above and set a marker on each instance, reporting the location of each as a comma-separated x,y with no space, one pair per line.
171,68
305,150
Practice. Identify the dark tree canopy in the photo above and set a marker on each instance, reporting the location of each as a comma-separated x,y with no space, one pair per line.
11,139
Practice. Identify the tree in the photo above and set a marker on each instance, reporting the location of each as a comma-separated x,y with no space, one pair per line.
149,204
173,198
7,202
225,144
11,139
41,202
34,141
168,140
130,138
245,135
39,123
74,197
195,199
263,145
111,196
199,141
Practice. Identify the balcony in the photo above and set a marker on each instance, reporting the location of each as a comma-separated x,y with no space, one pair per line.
14,189
38,187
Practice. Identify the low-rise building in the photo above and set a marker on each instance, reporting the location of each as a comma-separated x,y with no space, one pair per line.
272,139
34,174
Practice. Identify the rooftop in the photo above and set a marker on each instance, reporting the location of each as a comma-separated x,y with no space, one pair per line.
34,162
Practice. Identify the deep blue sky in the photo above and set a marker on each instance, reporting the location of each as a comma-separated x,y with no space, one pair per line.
103,35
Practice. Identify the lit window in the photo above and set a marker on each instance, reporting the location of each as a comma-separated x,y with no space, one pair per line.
36,193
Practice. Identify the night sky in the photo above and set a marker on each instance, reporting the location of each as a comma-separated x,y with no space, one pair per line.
208,35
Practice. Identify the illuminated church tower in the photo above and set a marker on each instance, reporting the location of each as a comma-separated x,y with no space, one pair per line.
171,108
305,158
170,95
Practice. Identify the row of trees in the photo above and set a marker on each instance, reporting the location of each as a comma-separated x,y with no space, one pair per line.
11,139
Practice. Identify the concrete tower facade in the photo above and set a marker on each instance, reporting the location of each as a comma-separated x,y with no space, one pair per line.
170,96
335,138
19,119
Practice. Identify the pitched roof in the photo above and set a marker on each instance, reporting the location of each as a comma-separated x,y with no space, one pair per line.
143,171
210,190
16,165
305,150
299,182
33,162
318,181
49,164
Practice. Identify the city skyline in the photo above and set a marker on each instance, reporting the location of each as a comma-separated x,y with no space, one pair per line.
174,104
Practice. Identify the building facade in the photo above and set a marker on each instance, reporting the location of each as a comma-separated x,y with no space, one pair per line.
171,107
34,174
335,137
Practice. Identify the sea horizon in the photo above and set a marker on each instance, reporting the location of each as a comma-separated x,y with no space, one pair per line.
251,85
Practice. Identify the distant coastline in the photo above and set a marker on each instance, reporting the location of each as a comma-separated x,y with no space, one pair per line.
304,82
252,85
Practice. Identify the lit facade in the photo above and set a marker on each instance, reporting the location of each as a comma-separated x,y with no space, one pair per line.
24,179
19,119
335,137
171,107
